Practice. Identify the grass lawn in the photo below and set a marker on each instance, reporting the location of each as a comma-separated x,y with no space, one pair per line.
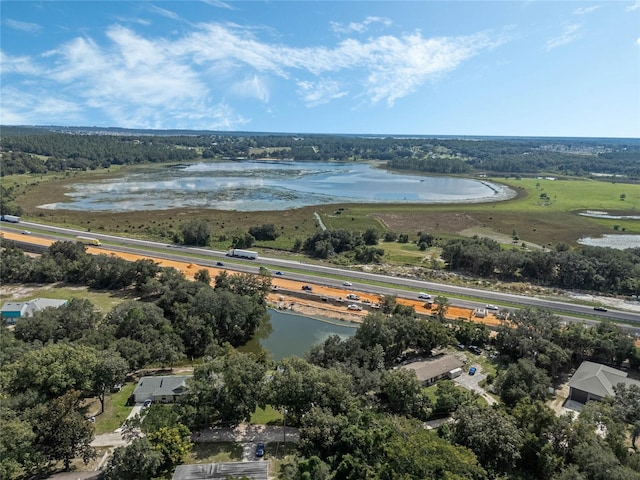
115,410
266,416
103,300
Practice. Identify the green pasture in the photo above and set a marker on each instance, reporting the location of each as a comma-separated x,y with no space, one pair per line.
101,299
544,213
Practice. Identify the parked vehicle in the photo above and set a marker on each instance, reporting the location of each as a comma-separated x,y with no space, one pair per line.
10,218
475,349
354,307
236,252
147,403
307,288
353,296
472,371
87,240
260,450
456,372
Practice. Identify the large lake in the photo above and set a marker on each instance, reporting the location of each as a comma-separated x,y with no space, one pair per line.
266,185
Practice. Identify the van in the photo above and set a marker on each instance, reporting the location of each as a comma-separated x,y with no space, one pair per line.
456,372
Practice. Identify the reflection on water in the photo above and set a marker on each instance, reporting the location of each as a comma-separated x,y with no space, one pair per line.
291,334
619,242
259,186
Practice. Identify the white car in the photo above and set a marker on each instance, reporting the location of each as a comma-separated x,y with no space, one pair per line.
424,296
491,307
347,284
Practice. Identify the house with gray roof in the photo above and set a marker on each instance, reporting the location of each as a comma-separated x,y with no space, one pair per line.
11,311
256,470
431,370
594,381
164,389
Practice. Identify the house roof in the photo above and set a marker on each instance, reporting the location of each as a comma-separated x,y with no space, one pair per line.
221,471
165,385
32,306
599,379
434,367
14,307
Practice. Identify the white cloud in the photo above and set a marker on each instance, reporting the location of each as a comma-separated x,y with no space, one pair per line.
23,26
633,7
219,4
164,12
20,65
144,81
638,41
22,108
570,34
252,87
320,92
585,10
359,27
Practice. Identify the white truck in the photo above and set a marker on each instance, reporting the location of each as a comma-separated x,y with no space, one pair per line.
10,218
236,252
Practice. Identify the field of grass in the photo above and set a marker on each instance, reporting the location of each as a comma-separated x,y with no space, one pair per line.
215,452
266,416
545,212
102,300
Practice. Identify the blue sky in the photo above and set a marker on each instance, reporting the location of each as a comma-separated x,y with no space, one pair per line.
530,68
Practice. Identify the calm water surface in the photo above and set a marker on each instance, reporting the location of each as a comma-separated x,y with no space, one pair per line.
262,185
289,334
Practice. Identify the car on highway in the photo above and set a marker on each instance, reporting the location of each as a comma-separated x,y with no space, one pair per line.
491,307
260,450
424,296
26,232
347,284
472,371
219,264
279,273
354,307
600,309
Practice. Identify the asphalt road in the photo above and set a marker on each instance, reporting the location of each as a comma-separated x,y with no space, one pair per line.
362,281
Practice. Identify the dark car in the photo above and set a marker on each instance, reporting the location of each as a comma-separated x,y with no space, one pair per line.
600,309
220,264
279,273
475,349
260,450
472,371
307,287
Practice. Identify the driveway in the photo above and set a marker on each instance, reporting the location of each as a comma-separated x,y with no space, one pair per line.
471,382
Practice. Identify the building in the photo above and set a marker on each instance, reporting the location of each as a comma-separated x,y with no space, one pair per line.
164,389
594,381
11,311
432,370
221,471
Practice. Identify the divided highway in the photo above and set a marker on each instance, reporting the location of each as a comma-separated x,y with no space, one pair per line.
331,276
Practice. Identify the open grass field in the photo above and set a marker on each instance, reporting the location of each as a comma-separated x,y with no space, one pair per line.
544,213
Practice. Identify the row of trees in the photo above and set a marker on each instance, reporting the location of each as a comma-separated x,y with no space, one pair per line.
586,268
81,149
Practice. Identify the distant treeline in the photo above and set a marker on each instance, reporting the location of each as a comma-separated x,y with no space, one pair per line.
39,150
586,268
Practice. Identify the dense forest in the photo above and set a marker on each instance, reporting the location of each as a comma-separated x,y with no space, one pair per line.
359,415
39,150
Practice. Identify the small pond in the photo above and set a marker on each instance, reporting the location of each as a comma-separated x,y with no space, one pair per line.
619,242
288,334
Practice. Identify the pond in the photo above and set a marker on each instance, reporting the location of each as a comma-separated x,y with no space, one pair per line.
271,185
619,242
289,334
